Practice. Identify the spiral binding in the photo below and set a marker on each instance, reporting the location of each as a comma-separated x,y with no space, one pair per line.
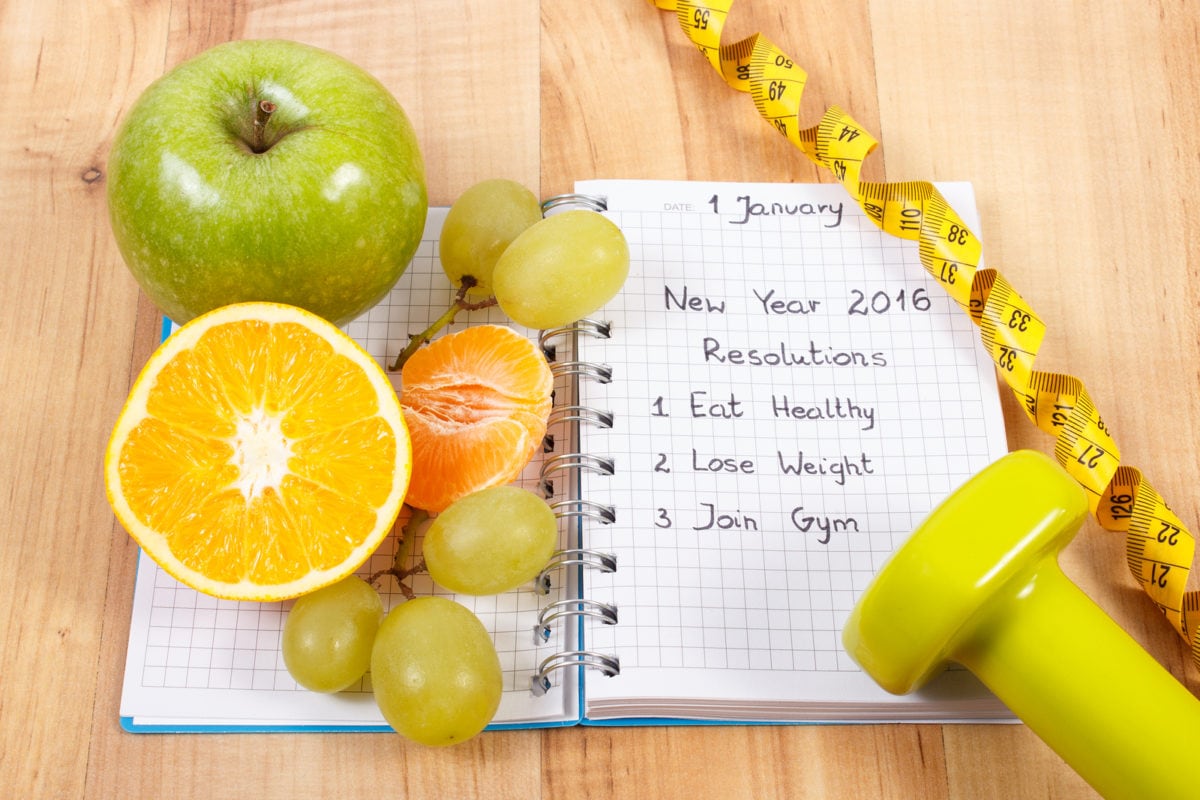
588,327
580,508
600,373
594,559
581,607
606,515
592,416
588,201
604,562
539,682
600,465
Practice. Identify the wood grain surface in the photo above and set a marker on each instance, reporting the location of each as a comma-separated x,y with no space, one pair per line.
1077,123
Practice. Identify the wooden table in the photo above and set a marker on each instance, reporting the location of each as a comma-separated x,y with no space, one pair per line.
1077,124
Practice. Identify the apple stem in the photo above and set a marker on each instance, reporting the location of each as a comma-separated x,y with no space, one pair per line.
460,303
263,110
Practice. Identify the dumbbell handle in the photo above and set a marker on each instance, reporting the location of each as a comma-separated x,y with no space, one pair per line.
978,583
1088,690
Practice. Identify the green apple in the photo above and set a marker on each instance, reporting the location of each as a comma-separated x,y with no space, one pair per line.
266,170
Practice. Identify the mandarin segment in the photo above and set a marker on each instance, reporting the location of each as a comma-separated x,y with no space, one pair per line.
467,404
484,356
476,403
453,461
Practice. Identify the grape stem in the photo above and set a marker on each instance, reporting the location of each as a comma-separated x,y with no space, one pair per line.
460,303
404,544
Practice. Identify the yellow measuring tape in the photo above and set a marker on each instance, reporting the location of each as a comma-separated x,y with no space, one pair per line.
1159,548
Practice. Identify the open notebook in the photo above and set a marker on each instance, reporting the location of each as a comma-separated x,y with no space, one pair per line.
776,398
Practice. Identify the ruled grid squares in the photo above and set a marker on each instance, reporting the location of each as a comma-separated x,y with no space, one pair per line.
194,641
762,594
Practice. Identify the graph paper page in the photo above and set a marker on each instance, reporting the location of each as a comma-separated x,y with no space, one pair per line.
791,395
198,663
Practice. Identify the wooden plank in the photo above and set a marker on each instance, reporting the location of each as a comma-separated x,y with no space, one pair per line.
890,761
67,334
625,94
1077,125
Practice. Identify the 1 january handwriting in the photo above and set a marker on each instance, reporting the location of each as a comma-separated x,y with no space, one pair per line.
746,208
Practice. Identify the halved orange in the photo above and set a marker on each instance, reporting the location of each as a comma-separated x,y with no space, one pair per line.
261,454
476,403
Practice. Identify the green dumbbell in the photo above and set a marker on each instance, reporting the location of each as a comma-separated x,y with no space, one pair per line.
978,583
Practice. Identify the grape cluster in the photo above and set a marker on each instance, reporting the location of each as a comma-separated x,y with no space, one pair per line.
435,672
543,272
434,669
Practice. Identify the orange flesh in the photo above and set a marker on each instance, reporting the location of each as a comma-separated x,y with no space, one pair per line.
262,456
476,404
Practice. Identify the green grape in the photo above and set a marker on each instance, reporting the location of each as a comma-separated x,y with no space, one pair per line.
480,225
328,634
435,671
490,541
561,269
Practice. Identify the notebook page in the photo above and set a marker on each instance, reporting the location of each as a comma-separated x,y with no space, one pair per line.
196,662
791,396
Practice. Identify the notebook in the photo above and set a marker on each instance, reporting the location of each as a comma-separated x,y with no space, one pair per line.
773,402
